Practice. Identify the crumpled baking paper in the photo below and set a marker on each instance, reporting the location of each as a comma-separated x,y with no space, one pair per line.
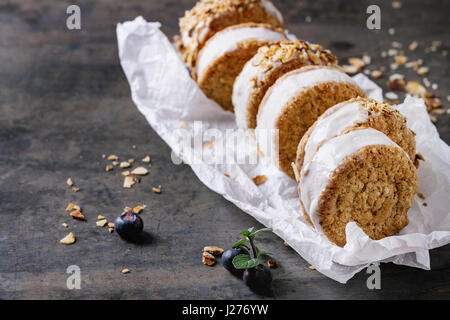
172,103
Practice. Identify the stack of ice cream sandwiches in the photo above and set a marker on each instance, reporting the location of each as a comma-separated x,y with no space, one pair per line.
351,156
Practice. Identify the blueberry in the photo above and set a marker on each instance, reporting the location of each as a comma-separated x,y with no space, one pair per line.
227,260
258,279
129,225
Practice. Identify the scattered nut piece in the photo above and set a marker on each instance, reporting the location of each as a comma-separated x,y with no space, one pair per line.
65,225
147,159
400,60
357,62
416,89
125,271
286,244
422,71
109,168
312,267
413,45
438,111
75,189
100,217
70,207
350,69
376,74
208,259
131,161
157,190
125,164
138,209
396,84
125,173
111,225
101,223
216,251
116,163
259,179
391,95
140,171
76,214
113,157
69,239
128,182
272,263
69,182
111,230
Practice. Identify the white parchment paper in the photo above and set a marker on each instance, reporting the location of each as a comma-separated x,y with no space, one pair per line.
171,101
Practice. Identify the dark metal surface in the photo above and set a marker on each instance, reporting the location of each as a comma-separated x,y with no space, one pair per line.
64,102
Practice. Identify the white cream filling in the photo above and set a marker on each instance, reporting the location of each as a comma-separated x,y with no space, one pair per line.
316,173
333,125
284,89
243,86
227,41
202,27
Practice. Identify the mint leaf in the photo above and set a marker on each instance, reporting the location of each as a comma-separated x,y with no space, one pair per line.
247,232
263,253
244,261
253,234
240,243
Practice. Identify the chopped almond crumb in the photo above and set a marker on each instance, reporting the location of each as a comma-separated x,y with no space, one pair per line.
125,173
75,189
125,271
216,251
111,225
100,217
259,179
138,209
124,164
128,182
76,214
70,207
131,161
156,190
376,74
69,182
140,171
69,239
208,259
109,167
113,157
312,267
147,159
101,223
422,71
65,225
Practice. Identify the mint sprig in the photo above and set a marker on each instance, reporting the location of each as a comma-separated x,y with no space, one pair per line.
245,261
